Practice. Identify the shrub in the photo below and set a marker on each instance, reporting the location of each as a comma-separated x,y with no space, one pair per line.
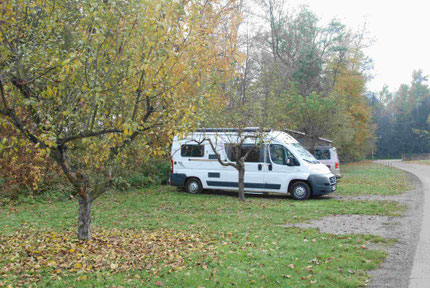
143,174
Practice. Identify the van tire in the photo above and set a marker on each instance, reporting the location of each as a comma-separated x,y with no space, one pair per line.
300,190
193,186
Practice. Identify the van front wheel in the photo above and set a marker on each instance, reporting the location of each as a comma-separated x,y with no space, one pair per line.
300,190
193,186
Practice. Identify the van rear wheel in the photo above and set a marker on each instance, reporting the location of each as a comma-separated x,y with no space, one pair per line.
300,190
193,186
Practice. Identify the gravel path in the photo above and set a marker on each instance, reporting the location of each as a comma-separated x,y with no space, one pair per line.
352,224
396,269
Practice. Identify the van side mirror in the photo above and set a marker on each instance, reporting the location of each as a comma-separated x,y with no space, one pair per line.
289,162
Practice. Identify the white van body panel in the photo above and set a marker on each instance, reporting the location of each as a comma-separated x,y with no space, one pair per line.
263,175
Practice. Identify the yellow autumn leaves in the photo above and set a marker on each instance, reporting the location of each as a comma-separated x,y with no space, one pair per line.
58,255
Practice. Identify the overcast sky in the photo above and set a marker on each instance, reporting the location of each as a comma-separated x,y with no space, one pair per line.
401,30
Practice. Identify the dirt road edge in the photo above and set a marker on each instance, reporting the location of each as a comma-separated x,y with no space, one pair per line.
397,267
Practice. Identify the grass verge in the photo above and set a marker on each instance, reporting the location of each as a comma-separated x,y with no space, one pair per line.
368,178
421,162
166,238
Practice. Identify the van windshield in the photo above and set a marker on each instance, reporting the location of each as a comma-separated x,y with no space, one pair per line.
303,153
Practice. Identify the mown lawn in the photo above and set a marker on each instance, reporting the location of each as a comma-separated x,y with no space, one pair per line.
367,178
163,237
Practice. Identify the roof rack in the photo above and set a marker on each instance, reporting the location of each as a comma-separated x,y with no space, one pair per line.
247,129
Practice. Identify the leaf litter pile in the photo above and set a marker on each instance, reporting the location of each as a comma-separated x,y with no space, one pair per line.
27,254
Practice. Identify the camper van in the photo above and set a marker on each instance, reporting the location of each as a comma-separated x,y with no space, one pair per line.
277,163
328,156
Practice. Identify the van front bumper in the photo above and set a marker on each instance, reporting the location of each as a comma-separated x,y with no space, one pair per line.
322,184
177,179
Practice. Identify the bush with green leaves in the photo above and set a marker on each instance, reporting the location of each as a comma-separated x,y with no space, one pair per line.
140,175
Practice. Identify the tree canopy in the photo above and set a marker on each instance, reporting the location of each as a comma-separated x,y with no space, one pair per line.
82,80
304,75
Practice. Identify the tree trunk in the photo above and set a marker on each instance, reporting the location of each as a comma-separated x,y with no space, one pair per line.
313,144
241,172
266,106
84,225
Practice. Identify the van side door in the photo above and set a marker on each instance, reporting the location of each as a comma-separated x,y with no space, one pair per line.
254,169
283,168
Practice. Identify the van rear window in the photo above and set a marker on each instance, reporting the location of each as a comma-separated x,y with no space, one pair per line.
192,150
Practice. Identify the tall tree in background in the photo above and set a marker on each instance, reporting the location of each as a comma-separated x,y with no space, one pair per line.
402,119
310,77
81,80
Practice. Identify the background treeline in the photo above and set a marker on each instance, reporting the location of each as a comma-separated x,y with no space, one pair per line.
402,118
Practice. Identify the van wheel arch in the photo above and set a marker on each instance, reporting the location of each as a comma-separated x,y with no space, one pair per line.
188,186
291,185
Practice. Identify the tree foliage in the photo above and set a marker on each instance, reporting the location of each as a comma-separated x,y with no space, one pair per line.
22,167
305,75
403,124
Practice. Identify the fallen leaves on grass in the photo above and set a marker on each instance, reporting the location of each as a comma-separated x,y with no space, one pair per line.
27,254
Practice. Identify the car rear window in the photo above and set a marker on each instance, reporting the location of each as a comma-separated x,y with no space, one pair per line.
322,154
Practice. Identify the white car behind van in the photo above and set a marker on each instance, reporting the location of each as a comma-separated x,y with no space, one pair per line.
328,156
279,164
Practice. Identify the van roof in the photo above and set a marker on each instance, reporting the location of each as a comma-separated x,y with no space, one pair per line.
247,129
271,135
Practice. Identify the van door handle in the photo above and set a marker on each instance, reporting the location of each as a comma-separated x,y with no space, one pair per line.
270,167
260,166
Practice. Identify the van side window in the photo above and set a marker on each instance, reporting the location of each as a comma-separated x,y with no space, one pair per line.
279,154
192,150
256,155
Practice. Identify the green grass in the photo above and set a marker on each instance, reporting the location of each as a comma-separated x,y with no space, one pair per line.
421,162
367,178
249,247
169,208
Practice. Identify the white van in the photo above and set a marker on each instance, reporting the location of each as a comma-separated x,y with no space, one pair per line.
327,155
278,165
